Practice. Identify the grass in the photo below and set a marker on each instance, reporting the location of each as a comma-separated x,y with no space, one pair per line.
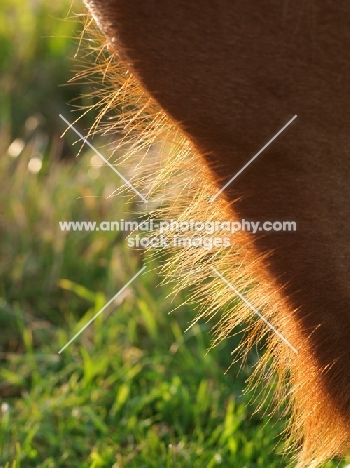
133,390
37,46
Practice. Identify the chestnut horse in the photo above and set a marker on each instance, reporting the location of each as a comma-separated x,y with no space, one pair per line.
230,74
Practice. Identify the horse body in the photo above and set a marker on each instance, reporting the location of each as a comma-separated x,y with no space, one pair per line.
231,74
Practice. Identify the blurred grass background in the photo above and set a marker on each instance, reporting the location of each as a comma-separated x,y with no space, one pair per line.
133,390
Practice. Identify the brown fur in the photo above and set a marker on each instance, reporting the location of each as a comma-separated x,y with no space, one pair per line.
228,76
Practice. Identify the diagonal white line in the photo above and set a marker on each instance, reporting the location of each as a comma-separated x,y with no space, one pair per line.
254,309
250,161
103,159
103,308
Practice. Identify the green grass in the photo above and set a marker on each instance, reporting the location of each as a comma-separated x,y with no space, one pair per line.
38,40
133,390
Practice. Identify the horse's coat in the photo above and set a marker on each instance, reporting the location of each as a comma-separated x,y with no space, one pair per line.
231,74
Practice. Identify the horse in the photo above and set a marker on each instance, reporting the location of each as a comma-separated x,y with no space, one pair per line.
233,78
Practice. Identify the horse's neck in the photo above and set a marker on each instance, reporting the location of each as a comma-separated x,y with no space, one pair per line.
232,74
